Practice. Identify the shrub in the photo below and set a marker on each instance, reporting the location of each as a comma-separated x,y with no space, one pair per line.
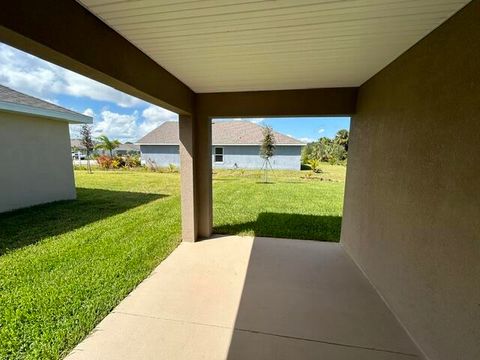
117,163
105,162
132,161
172,168
151,165
315,165
334,151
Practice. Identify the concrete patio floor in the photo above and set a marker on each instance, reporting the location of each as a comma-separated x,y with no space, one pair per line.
251,298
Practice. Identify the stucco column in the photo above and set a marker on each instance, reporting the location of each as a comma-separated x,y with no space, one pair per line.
187,178
195,176
203,147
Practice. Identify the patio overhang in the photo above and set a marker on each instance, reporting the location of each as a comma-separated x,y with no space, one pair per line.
406,70
65,33
279,103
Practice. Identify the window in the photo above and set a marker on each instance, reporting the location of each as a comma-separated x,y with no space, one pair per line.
219,154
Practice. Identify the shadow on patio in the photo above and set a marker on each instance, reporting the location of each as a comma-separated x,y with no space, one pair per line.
251,298
27,226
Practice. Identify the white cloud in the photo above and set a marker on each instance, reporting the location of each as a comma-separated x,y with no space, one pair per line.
36,77
255,120
153,117
125,127
89,112
321,131
306,139
117,126
252,120
31,75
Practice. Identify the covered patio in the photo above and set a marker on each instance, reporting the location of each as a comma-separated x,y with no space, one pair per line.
408,74
251,298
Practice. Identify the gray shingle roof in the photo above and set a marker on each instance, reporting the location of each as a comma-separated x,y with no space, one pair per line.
223,133
14,101
128,147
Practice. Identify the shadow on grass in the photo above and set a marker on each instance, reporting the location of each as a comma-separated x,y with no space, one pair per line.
284,225
27,226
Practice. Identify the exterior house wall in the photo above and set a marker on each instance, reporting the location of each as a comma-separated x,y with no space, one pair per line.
162,155
412,204
36,161
246,157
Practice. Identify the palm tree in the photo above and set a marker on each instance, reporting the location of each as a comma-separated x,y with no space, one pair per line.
106,144
341,138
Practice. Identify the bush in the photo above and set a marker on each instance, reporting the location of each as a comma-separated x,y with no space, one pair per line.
118,162
314,165
105,162
172,168
334,151
132,161
151,165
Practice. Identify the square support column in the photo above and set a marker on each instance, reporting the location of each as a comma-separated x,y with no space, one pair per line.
187,178
195,177
204,176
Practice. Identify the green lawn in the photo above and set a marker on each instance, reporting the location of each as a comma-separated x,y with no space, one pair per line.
64,266
290,205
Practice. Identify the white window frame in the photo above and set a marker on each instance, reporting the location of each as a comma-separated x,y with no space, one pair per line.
215,154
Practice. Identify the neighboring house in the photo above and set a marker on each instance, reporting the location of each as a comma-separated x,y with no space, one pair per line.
127,149
236,144
78,149
35,147
124,149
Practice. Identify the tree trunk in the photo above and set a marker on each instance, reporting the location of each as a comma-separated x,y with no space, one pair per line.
88,163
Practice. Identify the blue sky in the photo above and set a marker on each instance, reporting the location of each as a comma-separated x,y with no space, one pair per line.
116,114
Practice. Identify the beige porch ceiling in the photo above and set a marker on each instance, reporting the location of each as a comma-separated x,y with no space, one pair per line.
232,45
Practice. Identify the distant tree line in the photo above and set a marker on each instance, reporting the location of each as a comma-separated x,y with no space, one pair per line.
334,151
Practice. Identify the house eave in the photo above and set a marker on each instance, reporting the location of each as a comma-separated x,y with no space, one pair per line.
45,113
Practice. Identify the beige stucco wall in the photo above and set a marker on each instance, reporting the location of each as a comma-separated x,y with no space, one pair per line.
412,208
35,161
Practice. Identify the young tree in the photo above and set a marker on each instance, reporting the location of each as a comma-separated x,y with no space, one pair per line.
87,142
106,144
267,148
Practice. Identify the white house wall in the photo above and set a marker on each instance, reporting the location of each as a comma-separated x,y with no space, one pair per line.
36,161
161,155
245,157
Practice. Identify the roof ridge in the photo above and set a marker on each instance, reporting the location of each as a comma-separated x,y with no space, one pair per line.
221,135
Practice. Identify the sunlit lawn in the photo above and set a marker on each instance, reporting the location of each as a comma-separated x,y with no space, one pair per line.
292,204
64,266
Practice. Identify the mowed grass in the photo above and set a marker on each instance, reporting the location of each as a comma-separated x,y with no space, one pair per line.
64,266
292,204
84,257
